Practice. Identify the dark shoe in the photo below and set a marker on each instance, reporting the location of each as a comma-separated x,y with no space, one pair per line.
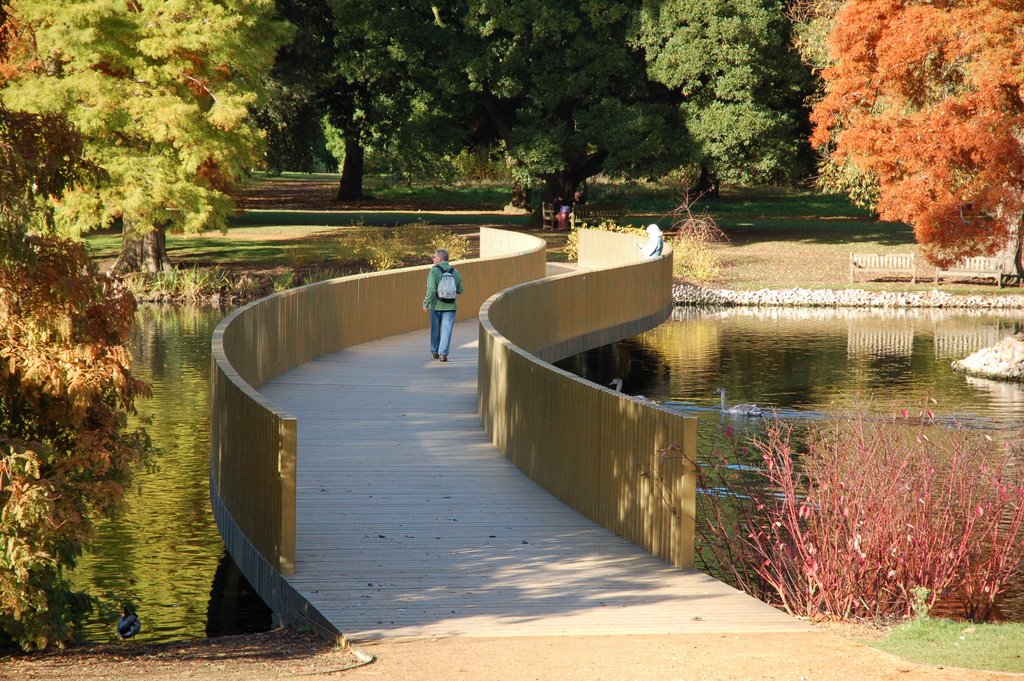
444,358
434,355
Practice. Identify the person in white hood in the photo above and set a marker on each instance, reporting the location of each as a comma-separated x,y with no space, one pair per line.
654,244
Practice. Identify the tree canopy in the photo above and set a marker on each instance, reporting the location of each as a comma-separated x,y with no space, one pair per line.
569,90
292,113
394,88
742,88
160,92
563,88
929,97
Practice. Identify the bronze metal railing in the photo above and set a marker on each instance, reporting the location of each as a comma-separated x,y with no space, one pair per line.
625,463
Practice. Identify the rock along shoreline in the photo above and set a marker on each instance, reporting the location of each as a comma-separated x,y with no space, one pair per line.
686,294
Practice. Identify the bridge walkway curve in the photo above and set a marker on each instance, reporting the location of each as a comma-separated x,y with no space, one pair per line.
411,524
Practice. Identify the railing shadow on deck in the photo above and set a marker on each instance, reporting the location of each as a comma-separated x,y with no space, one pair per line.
623,462
253,442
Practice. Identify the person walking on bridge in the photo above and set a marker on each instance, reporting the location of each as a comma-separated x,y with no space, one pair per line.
444,283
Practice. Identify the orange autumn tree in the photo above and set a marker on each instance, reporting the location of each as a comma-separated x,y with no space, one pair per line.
929,97
66,388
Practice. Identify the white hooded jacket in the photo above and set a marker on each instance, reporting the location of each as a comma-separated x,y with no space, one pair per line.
654,244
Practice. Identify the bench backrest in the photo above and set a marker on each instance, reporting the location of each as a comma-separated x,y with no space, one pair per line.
891,260
980,263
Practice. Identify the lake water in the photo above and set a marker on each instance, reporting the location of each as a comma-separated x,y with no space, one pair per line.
163,553
807,359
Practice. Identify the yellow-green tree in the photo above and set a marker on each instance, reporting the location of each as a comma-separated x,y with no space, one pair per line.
160,92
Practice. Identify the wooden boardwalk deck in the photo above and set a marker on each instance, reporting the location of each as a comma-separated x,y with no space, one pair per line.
411,524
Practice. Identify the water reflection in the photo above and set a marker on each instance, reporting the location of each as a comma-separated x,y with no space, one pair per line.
234,607
162,550
809,359
805,362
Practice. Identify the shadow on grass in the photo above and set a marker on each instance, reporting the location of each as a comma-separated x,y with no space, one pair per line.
746,216
277,218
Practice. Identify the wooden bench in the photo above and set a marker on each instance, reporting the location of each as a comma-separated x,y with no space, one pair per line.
892,264
581,215
549,217
595,216
979,267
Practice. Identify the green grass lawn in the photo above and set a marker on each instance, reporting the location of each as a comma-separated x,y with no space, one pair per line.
240,248
995,647
384,218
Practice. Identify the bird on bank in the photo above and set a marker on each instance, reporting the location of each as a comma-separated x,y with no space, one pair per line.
745,409
129,624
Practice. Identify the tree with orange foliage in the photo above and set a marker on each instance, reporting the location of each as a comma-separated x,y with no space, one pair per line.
66,388
929,97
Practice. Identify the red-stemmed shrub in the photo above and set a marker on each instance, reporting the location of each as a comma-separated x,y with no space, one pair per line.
854,517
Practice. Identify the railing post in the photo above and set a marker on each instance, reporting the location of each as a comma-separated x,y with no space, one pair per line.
286,476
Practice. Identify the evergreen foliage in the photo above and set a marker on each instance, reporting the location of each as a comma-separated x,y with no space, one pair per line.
292,113
565,90
742,87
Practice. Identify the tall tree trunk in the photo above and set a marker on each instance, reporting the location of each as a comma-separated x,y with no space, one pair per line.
521,195
1018,254
708,184
351,185
564,183
577,171
142,252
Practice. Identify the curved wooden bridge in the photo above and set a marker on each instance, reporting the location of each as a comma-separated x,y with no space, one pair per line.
411,520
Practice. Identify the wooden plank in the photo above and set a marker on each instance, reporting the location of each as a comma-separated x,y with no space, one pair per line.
410,523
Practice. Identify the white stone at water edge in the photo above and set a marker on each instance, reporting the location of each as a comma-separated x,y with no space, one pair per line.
1003,361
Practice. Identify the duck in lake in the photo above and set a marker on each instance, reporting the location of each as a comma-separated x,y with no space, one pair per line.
739,409
129,624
